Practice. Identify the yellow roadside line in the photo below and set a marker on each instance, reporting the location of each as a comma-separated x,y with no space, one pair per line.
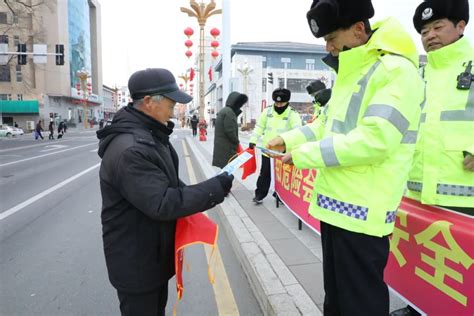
223,294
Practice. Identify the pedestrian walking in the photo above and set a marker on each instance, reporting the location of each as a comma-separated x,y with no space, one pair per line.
142,194
362,151
273,121
38,130
194,124
226,136
446,126
51,130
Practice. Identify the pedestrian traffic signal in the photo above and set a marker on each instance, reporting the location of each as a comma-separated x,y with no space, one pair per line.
21,48
59,54
270,77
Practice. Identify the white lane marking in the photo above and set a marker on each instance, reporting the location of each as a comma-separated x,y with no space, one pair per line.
53,147
38,196
56,152
223,293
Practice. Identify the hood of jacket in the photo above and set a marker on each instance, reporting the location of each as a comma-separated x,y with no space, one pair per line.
236,100
132,121
389,37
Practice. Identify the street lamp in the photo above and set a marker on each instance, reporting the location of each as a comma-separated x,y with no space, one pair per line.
245,71
83,75
201,11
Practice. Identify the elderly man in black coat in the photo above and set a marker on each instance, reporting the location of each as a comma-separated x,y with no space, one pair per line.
142,195
226,137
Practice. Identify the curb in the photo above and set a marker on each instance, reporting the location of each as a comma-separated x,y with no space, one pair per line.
277,290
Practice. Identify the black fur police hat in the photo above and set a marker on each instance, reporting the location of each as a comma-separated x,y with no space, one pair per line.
315,86
326,16
281,95
156,81
430,10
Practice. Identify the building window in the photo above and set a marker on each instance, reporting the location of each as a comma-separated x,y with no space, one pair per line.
310,64
16,41
5,73
264,84
264,62
19,97
6,97
3,39
3,18
19,75
286,63
15,18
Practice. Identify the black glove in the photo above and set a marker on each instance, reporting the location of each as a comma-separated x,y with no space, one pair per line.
226,181
251,145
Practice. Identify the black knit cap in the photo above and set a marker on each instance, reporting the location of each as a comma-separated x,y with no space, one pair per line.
281,95
326,16
431,10
156,81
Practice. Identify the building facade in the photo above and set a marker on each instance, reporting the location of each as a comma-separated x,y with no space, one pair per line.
291,65
57,91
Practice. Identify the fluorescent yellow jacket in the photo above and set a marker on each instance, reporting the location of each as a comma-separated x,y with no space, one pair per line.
446,130
270,124
363,149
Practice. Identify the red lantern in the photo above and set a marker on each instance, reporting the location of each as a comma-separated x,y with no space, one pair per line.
188,43
189,53
215,44
215,54
215,32
188,31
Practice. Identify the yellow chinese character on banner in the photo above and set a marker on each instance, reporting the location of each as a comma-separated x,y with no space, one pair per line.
278,169
399,234
296,179
308,185
453,253
286,176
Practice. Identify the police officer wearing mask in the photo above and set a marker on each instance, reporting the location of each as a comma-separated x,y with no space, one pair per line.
321,95
360,151
272,121
442,172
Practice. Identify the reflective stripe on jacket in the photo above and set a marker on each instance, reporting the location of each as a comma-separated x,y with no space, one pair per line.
446,130
362,151
270,124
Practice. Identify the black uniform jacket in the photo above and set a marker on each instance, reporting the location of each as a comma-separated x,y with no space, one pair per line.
142,197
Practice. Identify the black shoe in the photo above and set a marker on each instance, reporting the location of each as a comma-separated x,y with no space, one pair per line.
406,311
256,201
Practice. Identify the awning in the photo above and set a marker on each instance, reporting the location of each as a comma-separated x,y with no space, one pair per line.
19,107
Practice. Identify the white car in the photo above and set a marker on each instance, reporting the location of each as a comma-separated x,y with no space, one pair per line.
11,131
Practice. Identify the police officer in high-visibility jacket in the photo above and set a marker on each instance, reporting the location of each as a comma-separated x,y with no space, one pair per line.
361,150
443,166
273,121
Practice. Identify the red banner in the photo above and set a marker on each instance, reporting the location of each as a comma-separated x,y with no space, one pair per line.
431,263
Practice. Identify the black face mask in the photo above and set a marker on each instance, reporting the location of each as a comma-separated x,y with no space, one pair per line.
282,109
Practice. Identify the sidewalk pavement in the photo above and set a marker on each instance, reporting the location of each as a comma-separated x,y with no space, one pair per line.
283,264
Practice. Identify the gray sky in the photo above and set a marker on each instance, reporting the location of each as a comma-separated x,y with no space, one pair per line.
141,34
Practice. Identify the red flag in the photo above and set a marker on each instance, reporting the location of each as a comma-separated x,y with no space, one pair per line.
191,74
190,230
210,73
250,166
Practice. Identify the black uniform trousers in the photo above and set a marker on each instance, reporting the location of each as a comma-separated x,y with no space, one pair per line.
353,266
148,304
264,179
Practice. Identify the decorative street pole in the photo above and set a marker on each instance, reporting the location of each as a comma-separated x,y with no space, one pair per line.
201,11
245,71
83,75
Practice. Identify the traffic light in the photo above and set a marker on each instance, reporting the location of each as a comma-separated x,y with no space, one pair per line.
21,48
59,54
270,77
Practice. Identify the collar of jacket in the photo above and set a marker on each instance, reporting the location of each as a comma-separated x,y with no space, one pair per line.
157,129
389,38
457,52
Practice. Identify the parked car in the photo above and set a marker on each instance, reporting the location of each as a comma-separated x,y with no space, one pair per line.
9,131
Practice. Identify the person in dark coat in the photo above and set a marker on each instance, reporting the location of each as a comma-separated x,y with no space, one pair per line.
226,137
142,194
194,124
38,130
51,130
